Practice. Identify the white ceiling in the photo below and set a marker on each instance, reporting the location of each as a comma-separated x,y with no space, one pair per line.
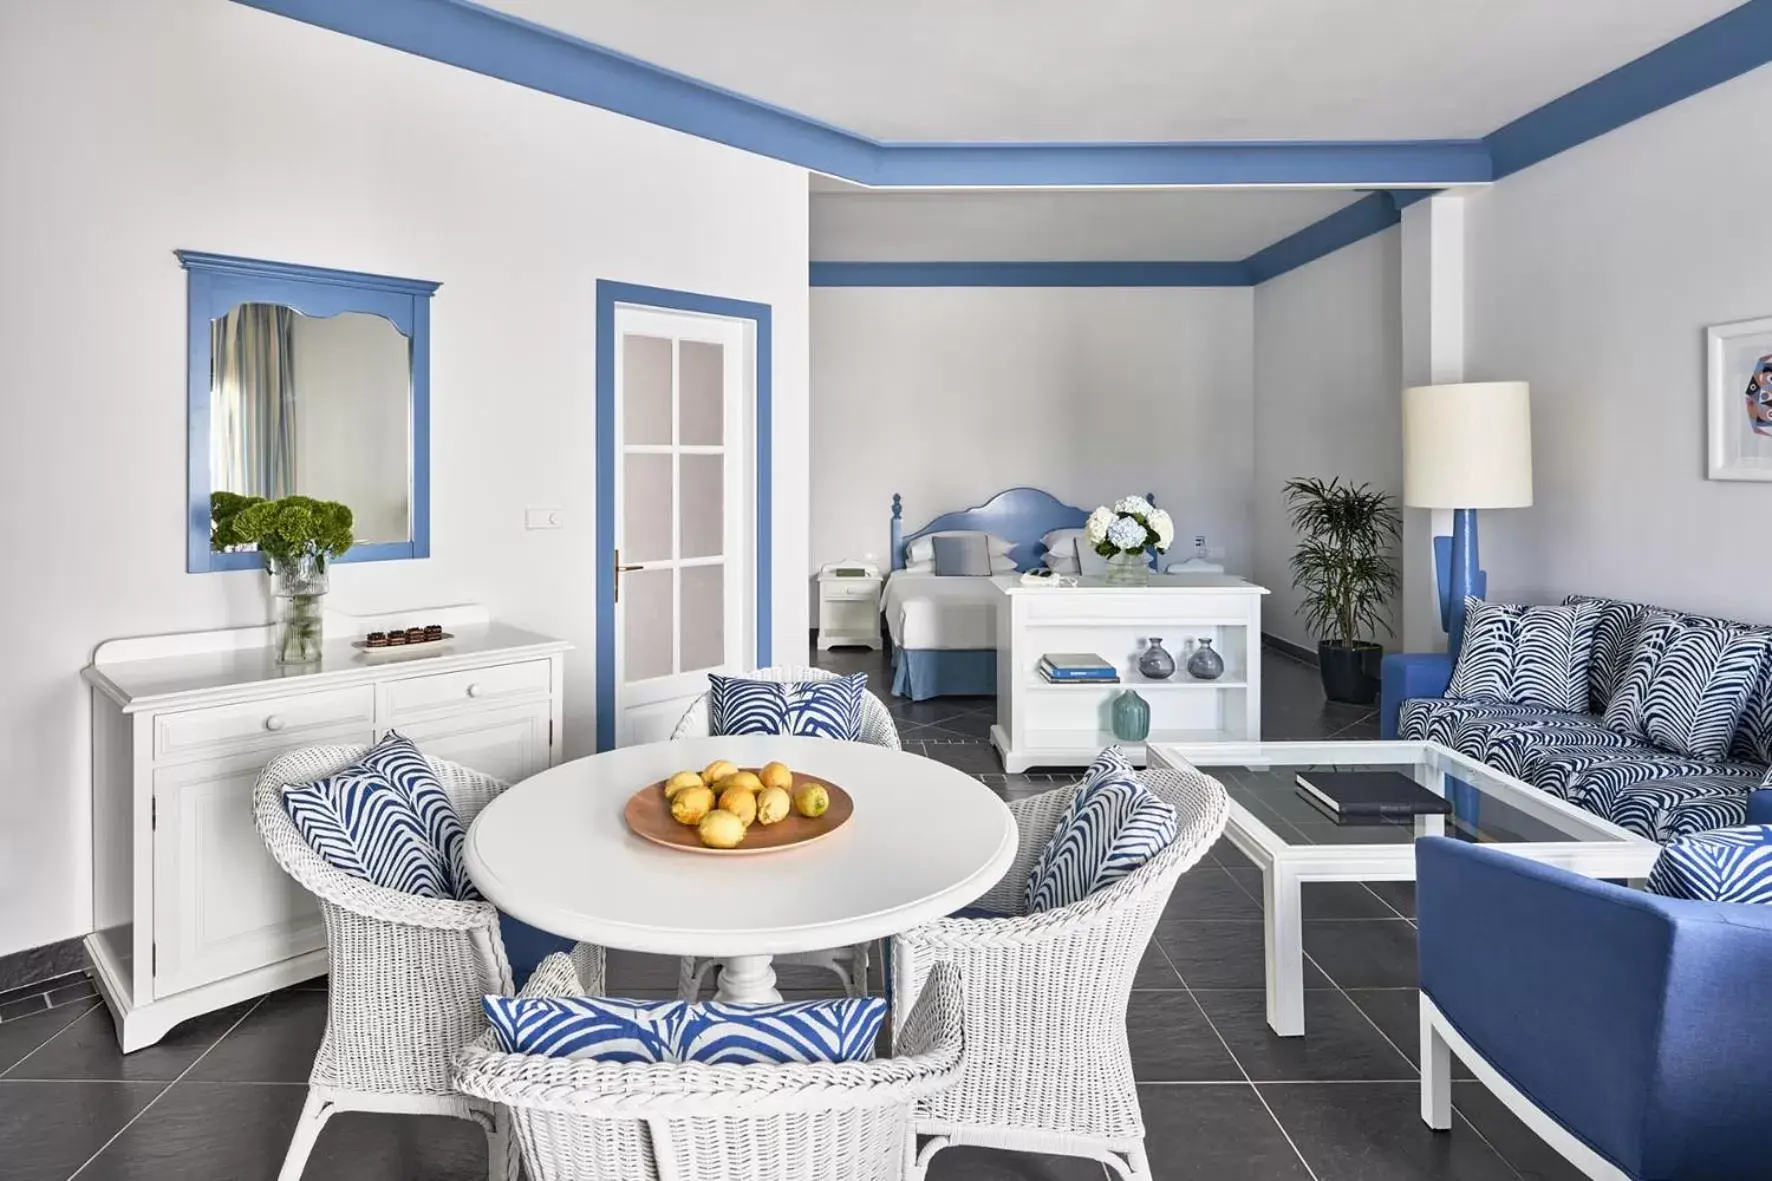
1126,70
1044,225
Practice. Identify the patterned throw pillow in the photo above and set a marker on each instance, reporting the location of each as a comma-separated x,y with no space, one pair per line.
611,1029
1521,655
399,761
1700,684
1112,826
1724,865
364,825
816,709
1615,637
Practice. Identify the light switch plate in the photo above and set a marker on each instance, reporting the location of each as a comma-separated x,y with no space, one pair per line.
544,518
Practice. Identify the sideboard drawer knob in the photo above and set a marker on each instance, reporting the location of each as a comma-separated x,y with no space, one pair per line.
274,722
474,690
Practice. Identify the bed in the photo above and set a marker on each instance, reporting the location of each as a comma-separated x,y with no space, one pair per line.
944,630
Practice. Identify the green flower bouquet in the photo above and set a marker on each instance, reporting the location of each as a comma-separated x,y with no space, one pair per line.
297,535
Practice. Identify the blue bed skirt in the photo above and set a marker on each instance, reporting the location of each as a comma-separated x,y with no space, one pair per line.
922,673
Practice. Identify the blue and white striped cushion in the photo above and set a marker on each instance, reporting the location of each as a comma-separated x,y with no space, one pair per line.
815,709
1575,773
1438,719
1726,865
1112,826
1526,655
1664,809
1615,638
1699,687
398,761
611,1029
364,825
1624,713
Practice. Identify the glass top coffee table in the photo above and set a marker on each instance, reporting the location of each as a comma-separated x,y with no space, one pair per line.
1293,841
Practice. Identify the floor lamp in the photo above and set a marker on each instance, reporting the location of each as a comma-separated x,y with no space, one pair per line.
1465,447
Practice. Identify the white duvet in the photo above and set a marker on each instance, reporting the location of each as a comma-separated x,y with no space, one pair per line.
927,611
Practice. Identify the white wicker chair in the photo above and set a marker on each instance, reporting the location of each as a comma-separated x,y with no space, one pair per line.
849,963
583,1120
407,973
1047,1063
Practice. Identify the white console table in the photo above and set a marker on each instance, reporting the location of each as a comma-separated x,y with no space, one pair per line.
191,913
1045,725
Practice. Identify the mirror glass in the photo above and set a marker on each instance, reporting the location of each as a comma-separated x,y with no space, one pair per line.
314,406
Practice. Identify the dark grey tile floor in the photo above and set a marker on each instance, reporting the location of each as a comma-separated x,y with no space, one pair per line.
1222,1097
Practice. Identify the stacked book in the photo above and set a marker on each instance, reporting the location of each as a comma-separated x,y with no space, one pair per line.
1070,668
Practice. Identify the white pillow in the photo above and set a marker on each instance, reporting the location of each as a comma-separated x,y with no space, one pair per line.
920,567
1002,565
1060,539
1061,561
923,549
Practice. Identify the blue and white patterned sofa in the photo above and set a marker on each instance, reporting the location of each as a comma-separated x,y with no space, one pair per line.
1650,791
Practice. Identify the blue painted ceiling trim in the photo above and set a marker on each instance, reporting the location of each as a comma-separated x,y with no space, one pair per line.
463,34
1727,47
1029,274
1344,227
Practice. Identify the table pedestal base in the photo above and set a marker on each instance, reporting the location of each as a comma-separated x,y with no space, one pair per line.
747,980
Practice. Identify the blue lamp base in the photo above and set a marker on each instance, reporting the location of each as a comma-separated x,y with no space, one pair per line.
1458,574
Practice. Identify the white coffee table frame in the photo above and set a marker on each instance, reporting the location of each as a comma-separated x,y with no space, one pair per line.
1598,849
925,840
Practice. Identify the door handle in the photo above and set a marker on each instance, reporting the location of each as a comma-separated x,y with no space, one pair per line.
619,571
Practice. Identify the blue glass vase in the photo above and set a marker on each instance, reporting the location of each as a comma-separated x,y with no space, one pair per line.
1156,664
1205,664
1131,717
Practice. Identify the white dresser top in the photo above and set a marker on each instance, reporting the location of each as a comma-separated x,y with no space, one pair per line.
237,664
1221,583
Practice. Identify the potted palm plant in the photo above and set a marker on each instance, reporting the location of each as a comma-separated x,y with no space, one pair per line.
1345,568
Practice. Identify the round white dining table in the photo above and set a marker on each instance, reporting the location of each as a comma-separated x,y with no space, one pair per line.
924,841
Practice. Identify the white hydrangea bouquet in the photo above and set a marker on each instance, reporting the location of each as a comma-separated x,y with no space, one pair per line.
1122,533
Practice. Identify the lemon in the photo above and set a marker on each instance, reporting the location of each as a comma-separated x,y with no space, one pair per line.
720,829
716,771
739,801
745,779
773,805
691,804
812,800
679,781
777,775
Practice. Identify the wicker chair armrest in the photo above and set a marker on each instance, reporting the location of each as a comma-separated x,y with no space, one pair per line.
346,891
593,1089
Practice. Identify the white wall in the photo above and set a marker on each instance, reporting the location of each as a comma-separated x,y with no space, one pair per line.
1328,356
1593,276
950,394
146,125
353,427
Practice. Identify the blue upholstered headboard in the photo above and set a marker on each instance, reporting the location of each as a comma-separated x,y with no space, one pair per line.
1020,515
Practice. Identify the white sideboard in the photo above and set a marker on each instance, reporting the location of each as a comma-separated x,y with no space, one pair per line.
190,912
1045,725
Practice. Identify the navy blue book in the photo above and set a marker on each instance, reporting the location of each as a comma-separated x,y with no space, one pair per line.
1357,794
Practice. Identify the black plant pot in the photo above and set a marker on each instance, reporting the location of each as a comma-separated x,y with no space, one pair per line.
1350,671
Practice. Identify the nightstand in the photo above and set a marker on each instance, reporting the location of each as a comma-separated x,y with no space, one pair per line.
848,607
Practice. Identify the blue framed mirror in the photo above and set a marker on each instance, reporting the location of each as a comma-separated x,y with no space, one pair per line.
312,382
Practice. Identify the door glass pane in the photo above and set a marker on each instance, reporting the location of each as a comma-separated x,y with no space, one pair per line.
704,505
701,392
647,620
646,398
704,617
646,508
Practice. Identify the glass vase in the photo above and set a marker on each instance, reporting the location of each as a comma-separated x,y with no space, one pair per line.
1128,570
1205,664
1156,664
1131,717
298,594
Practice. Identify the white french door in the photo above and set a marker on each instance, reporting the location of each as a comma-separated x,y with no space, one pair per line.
684,512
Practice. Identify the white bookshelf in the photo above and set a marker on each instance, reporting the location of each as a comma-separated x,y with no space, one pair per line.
1040,724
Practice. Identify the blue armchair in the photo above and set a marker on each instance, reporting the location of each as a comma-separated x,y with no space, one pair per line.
1627,1030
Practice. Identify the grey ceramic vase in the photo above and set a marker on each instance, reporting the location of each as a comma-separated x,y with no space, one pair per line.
1156,664
1205,664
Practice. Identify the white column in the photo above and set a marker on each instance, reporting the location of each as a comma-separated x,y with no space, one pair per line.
1433,352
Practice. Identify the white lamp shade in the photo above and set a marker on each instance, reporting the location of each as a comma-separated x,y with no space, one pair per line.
1468,445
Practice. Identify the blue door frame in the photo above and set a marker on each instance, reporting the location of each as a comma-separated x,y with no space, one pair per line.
609,295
